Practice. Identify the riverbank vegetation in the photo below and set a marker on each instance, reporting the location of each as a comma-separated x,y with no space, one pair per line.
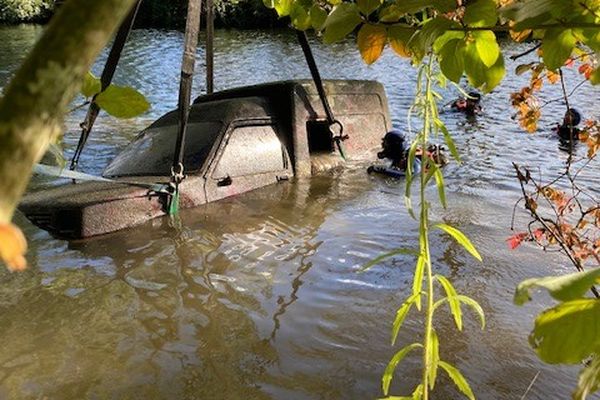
19,11
242,14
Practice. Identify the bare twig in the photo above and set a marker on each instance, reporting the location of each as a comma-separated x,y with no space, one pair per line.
526,52
530,385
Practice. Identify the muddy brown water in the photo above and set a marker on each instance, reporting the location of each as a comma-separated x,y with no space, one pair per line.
259,296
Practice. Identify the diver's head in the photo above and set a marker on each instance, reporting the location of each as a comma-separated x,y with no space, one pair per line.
475,96
393,145
572,118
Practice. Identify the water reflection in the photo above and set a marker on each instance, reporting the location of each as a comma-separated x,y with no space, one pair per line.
258,296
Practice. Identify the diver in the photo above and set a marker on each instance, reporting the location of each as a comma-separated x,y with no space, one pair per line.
395,149
568,130
470,105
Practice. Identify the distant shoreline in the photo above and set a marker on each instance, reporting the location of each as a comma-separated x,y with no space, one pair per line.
244,14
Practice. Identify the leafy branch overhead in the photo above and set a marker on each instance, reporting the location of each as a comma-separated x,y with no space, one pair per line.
462,37
118,101
568,333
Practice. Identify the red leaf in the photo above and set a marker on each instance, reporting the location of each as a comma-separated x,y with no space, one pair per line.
515,240
538,234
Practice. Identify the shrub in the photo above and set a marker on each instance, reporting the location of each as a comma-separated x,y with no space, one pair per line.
12,11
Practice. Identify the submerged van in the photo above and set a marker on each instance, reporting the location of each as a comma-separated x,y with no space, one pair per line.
237,140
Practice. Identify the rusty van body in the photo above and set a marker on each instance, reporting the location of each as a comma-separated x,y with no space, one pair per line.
237,140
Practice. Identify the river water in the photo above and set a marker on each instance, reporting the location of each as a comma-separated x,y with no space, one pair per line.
258,296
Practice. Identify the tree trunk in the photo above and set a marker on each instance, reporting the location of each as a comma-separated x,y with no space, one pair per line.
36,99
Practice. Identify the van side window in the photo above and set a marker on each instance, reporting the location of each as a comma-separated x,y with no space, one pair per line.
251,150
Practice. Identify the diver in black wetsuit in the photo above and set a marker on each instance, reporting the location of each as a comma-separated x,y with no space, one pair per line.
395,149
470,106
568,130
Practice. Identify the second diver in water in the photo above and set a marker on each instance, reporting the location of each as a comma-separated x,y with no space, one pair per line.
568,129
471,105
395,149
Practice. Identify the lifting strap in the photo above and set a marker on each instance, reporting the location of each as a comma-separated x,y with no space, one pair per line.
316,76
192,27
210,53
107,75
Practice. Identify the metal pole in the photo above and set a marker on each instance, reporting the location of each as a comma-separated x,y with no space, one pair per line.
107,75
210,55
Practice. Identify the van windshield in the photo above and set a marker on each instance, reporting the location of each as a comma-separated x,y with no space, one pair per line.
152,152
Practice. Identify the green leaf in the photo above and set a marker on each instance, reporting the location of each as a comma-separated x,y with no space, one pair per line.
392,253
532,12
418,392
344,18
401,316
475,306
452,59
439,181
589,380
91,85
366,7
557,47
390,13
474,67
283,7
444,6
433,357
494,75
453,300
441,41
448,138
461,239
299,17
479,75
430,32
122,102
391,367
413,6
318,16
458,379
418,280
487,47
269,4
567,333
481,13
562,288
412,154
400,37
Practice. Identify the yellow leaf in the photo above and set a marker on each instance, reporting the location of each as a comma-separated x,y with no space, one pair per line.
371,41
12,247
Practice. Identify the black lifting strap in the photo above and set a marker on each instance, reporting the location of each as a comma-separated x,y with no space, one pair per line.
314,71
192,28
107,75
